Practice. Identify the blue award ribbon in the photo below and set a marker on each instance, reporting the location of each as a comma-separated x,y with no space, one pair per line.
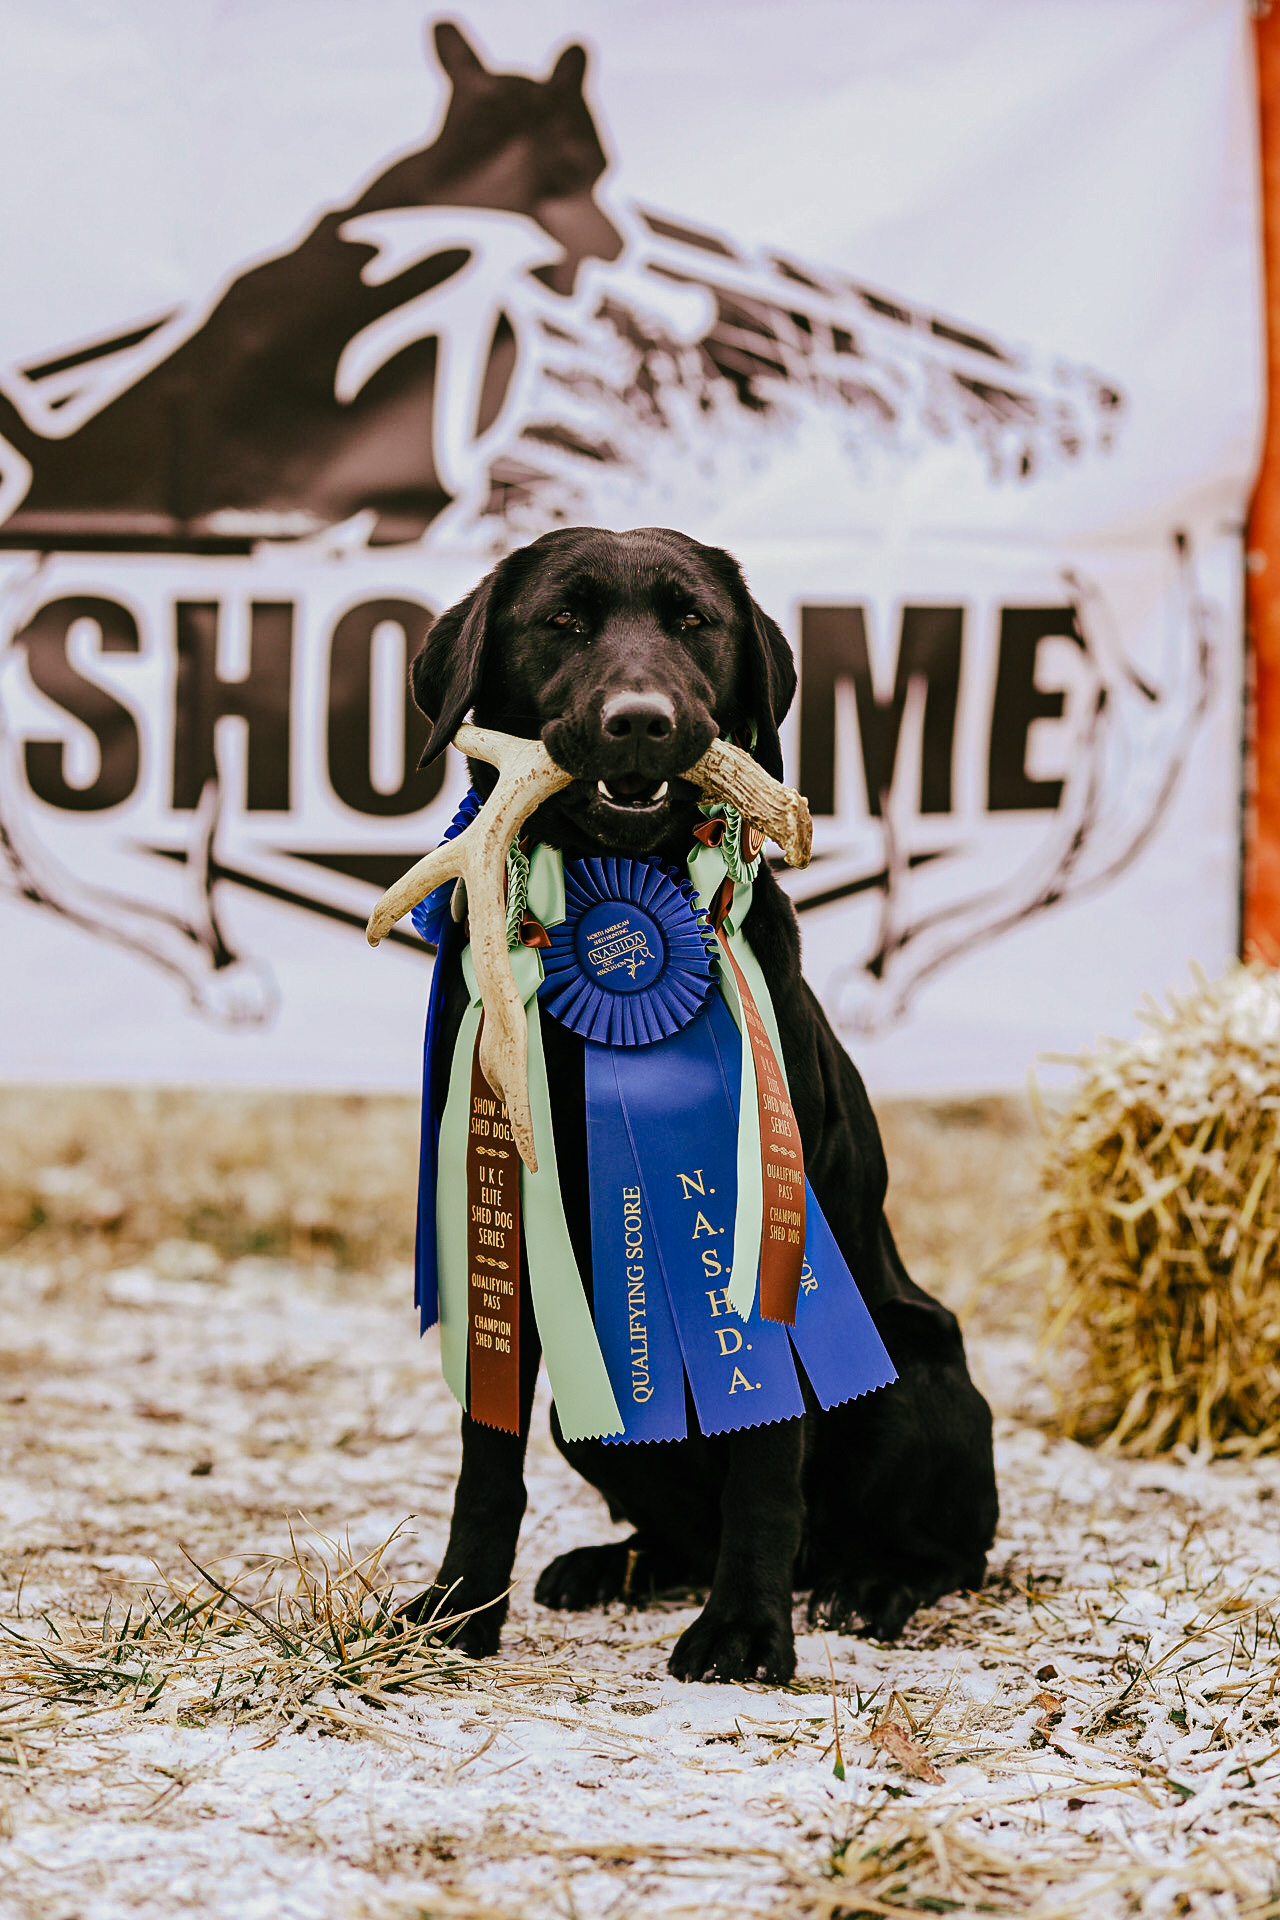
432,915
628,965
426,1286
433,920
633,1319
673,1102
628,969
664,1152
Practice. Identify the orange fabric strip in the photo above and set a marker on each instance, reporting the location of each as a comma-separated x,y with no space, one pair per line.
493,1258
781,1155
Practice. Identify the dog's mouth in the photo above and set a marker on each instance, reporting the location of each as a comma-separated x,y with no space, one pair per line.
631,793
628,813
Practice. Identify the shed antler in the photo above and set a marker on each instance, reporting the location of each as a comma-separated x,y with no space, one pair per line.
527,775
782,814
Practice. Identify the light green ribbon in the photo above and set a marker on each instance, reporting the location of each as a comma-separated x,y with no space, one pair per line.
579,1380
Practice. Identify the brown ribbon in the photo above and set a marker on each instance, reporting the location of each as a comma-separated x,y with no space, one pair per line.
750,839
781,1154
493,1258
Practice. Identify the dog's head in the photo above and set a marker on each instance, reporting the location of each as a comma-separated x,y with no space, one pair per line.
628,654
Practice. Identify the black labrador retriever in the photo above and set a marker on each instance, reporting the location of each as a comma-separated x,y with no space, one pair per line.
629,653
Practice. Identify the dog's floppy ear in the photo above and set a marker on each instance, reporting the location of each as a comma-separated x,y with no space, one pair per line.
772,677
445,675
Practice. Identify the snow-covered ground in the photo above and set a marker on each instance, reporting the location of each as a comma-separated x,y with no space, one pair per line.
1105,1715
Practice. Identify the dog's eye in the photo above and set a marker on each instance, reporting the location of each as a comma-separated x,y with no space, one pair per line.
563,619
691,619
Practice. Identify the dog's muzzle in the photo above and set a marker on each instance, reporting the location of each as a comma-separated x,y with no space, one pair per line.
635,726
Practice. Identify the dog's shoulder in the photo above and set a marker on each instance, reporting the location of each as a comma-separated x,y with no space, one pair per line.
844,1155
774,931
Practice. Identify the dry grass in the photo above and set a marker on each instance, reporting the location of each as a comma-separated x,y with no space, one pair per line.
310,1638
1162,1207
913,1866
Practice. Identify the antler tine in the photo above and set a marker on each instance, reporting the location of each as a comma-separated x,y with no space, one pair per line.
727,773
527,775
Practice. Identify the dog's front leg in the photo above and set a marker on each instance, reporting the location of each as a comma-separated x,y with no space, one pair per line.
744,1631
488,1508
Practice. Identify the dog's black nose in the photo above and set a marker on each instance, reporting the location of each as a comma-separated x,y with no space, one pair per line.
638,716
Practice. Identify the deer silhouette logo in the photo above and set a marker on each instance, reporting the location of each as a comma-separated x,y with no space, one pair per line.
361,373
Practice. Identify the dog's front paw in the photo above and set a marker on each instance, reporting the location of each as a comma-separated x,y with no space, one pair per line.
587,1577
721,1645
477,1635
878,1605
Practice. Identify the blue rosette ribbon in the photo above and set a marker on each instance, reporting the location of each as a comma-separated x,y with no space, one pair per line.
630,969
629,964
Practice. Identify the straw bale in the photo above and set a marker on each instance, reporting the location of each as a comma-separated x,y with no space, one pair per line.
1161,1190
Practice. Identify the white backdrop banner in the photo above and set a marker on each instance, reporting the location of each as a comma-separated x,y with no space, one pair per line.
944,317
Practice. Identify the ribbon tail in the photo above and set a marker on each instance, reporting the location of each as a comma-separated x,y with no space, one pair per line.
426,1295
834,1336
451,1214
781,1155
708,873
633,1315
741,1372
579,1378
753,973
748,1219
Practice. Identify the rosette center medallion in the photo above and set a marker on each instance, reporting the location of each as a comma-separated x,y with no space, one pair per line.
629,964
620,947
